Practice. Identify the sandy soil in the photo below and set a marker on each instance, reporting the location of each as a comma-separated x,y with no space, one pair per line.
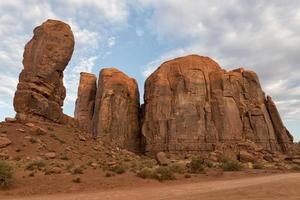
278,186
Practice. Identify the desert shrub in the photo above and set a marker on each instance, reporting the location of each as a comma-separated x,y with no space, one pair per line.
146,173
77,170
231,166
64,157
163,174
6,174
76,180
177,168
296,168
109,174
36,165
160,173
258,166
55,137
118,169
224,159
187,176
150,163
50,128
197,165
33,140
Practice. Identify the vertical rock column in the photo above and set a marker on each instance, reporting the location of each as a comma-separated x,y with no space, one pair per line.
116,115
284,138
40,93
85,103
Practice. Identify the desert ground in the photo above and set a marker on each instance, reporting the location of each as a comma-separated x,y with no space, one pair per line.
275,186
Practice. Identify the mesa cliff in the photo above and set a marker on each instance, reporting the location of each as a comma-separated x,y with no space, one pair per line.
190,105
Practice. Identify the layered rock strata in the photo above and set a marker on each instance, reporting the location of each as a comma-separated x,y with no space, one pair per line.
193,105
85,103
40,93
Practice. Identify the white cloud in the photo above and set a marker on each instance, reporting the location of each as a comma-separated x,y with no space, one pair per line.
111,42
260,35
92,22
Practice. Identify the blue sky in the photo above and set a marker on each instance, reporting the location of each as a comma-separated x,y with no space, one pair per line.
137,35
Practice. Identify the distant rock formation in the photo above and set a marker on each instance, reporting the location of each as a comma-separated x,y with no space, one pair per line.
85,103
40,93
116,113
192,105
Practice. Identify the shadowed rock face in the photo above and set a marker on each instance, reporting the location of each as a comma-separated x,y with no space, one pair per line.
40,92
85,103
191,104
116,115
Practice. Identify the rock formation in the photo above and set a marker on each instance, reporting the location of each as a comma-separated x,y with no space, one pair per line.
192,105
116,113
40,92
85,103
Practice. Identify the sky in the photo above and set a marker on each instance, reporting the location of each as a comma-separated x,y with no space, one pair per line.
136,36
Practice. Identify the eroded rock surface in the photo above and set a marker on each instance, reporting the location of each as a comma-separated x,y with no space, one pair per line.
116,115
191,104
85,103
40,93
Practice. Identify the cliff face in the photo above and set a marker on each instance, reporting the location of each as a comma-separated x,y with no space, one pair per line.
191,104
116,115
40,92
85,103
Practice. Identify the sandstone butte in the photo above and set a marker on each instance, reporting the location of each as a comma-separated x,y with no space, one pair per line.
40,93
190,105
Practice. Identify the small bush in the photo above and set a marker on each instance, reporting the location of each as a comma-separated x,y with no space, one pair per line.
187,176
296,168
118,169
178,168
76,180
146,173
58,139
163,174
209,164
231,166
258,166
36,165
50,128
108,174
6,175
197,165
64,157
33,140
77,170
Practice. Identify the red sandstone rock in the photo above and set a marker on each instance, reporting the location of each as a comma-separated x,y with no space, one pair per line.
85,102
191,104
116,115
40,92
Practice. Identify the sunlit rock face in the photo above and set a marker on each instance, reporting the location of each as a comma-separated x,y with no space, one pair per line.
40,93
85,103
193,105
117,106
